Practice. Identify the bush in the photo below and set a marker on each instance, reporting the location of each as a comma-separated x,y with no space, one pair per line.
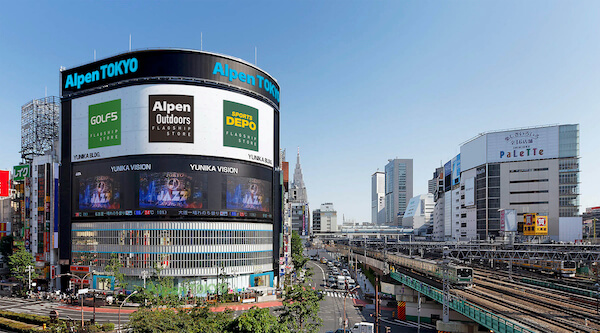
108,327
14,326
26,318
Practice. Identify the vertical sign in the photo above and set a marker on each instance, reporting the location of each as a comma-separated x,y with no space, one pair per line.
4,183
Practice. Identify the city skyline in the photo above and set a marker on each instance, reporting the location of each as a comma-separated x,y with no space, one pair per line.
422,77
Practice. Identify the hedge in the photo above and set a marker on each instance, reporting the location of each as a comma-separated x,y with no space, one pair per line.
26,318
15,326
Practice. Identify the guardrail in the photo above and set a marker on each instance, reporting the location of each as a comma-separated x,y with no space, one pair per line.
479,315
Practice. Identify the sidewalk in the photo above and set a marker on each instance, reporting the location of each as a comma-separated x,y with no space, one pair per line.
220,308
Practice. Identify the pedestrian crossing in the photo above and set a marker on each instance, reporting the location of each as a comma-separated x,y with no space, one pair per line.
340,294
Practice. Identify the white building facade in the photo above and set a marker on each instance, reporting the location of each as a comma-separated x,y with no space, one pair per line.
378,198
419,213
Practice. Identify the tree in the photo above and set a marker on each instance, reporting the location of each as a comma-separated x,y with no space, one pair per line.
301,309
206,321
113,266
161,320
18,263
298,258
6,247
257,320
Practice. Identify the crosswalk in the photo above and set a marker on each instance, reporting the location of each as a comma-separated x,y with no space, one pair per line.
340,294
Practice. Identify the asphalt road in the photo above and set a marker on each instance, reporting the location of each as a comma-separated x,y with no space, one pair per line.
332,306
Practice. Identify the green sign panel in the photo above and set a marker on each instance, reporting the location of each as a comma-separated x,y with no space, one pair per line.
21,172
240,126
104,124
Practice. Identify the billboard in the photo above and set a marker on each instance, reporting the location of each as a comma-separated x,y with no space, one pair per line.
21,172
470,191
508,220
523,145
160,186
164,64
456,170
172,119
4,183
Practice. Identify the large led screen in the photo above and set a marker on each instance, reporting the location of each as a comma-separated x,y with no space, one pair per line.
172,119
166,186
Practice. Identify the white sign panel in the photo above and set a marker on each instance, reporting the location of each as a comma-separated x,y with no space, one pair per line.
470,192
523,145
172,119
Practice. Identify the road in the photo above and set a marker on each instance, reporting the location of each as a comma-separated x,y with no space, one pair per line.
43,308
332,306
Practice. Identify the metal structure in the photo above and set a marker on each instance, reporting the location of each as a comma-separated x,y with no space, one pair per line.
478,314
39,126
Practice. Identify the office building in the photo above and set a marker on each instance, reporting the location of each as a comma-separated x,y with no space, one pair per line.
398,189
325,218
378,198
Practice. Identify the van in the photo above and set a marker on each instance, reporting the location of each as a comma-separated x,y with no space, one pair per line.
341,282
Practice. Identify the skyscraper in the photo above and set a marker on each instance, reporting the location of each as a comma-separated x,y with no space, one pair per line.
398,189
378,198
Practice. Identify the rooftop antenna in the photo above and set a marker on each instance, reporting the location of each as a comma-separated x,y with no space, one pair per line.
201,42
255,56
129,42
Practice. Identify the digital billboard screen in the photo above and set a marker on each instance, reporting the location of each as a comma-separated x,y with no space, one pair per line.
159,186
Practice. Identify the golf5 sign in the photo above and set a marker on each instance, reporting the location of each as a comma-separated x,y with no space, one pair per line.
104,124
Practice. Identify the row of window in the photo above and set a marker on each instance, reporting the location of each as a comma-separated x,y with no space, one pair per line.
171,237
175,260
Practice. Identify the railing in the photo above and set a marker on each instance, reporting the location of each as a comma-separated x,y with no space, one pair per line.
472,311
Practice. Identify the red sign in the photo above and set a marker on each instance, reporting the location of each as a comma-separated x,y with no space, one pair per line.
4,183
80,269
541,221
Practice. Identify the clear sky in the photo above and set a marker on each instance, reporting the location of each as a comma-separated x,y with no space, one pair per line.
361,81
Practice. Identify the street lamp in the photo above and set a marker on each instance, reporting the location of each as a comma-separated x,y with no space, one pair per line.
120,306
81,304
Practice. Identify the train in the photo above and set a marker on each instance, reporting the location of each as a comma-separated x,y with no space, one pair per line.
459,276
564,268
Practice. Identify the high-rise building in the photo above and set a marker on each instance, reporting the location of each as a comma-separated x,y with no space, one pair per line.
325,218
398,189
299,201
378,198
530,170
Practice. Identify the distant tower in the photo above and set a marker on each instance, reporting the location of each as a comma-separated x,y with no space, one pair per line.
398,189
378,198
39,126
299,201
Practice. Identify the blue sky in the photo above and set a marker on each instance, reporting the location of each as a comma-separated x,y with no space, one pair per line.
361,81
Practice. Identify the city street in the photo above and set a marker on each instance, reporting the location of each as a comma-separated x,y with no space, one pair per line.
43,308
332,306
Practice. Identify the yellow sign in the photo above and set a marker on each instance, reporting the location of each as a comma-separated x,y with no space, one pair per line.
535,225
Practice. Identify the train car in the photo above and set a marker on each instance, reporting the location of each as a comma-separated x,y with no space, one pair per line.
564,268
459,276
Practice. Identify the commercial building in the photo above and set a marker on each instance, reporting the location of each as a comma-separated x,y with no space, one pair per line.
168,159
530,170
378,198
325,218
398,189
419,213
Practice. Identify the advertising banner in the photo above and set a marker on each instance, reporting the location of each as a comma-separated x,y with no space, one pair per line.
172,119
508,220
456,170
171,186
4,183
523,145
470,192
21,172
164,64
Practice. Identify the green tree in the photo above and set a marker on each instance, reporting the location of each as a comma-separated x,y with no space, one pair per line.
161,320
6,247
257,320
206,321
113,267
298,258
301,307
18,263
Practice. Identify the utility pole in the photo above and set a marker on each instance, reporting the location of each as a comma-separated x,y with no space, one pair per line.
377,303
29,267
144,276
419,313
446,284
